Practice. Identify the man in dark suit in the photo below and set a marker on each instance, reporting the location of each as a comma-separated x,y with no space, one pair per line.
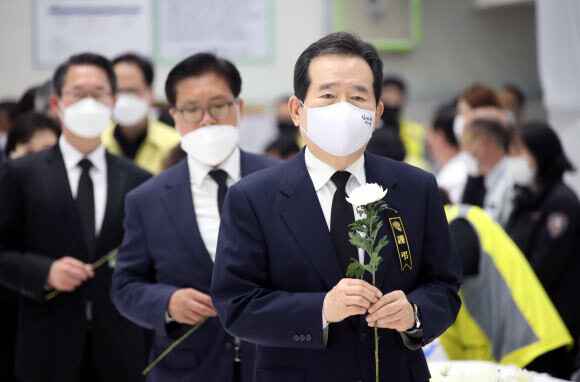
165,264
279,277
62,209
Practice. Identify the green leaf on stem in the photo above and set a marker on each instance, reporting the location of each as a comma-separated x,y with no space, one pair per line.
381,244
358,225
355,269
356,240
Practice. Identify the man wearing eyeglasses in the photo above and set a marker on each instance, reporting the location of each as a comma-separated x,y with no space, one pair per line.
62,211
165,263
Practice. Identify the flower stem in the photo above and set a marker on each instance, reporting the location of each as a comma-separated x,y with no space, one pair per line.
173,345
376,353
376,344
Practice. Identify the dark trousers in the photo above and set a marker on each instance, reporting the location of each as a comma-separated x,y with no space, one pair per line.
88,369
88,372
8,326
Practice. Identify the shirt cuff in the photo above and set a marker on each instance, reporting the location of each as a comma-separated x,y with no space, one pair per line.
413,341
168,318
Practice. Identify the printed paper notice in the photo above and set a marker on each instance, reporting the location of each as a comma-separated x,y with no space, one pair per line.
230,28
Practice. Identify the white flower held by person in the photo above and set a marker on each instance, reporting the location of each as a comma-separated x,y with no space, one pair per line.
363,234
366,194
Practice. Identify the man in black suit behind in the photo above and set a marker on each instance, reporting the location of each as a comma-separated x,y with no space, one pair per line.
60,211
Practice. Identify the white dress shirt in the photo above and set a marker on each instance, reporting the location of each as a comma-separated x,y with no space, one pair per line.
453,176
320,173
98,174
205,190
499,186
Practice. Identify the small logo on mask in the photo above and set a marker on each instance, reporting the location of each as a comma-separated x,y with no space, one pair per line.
367,120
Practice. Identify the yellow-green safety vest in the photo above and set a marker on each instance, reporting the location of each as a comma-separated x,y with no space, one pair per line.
160,140
506,315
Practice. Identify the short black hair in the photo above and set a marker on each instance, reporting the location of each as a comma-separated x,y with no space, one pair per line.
285,145
26,101
396,81
517,92
83,59
343,44
10,108
199,64
35,98
386,142
25,127
144,64
443,121
498,133
546,149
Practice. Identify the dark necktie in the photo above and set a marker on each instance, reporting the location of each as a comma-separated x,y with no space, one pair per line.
86,205
341,216
220,177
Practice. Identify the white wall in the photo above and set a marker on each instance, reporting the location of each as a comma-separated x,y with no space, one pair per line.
292,33
460,45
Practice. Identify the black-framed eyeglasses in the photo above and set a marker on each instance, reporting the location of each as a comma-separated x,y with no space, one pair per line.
217,110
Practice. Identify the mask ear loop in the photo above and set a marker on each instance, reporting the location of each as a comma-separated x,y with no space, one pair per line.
62,109
301,128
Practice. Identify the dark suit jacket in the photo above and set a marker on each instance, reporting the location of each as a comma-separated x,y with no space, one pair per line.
39,223
276,261
163,251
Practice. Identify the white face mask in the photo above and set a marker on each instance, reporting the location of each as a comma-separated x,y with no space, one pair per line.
211,145
458,125
339,129
130,109
521,172
86,118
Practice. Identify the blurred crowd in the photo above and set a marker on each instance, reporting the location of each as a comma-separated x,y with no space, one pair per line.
515,222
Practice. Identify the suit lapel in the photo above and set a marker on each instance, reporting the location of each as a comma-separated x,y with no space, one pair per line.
178,201
116,186
303,215
57,178
379,172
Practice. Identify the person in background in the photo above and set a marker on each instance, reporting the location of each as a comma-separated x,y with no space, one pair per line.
134,134
445,151
394,97
506,315
487,140
164,266
474,97
36,100
512,99
62,210
31,133
284,119
8,113
387,143
284,147
545,222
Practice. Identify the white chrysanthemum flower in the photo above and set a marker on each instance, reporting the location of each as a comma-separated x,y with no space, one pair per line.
366,194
